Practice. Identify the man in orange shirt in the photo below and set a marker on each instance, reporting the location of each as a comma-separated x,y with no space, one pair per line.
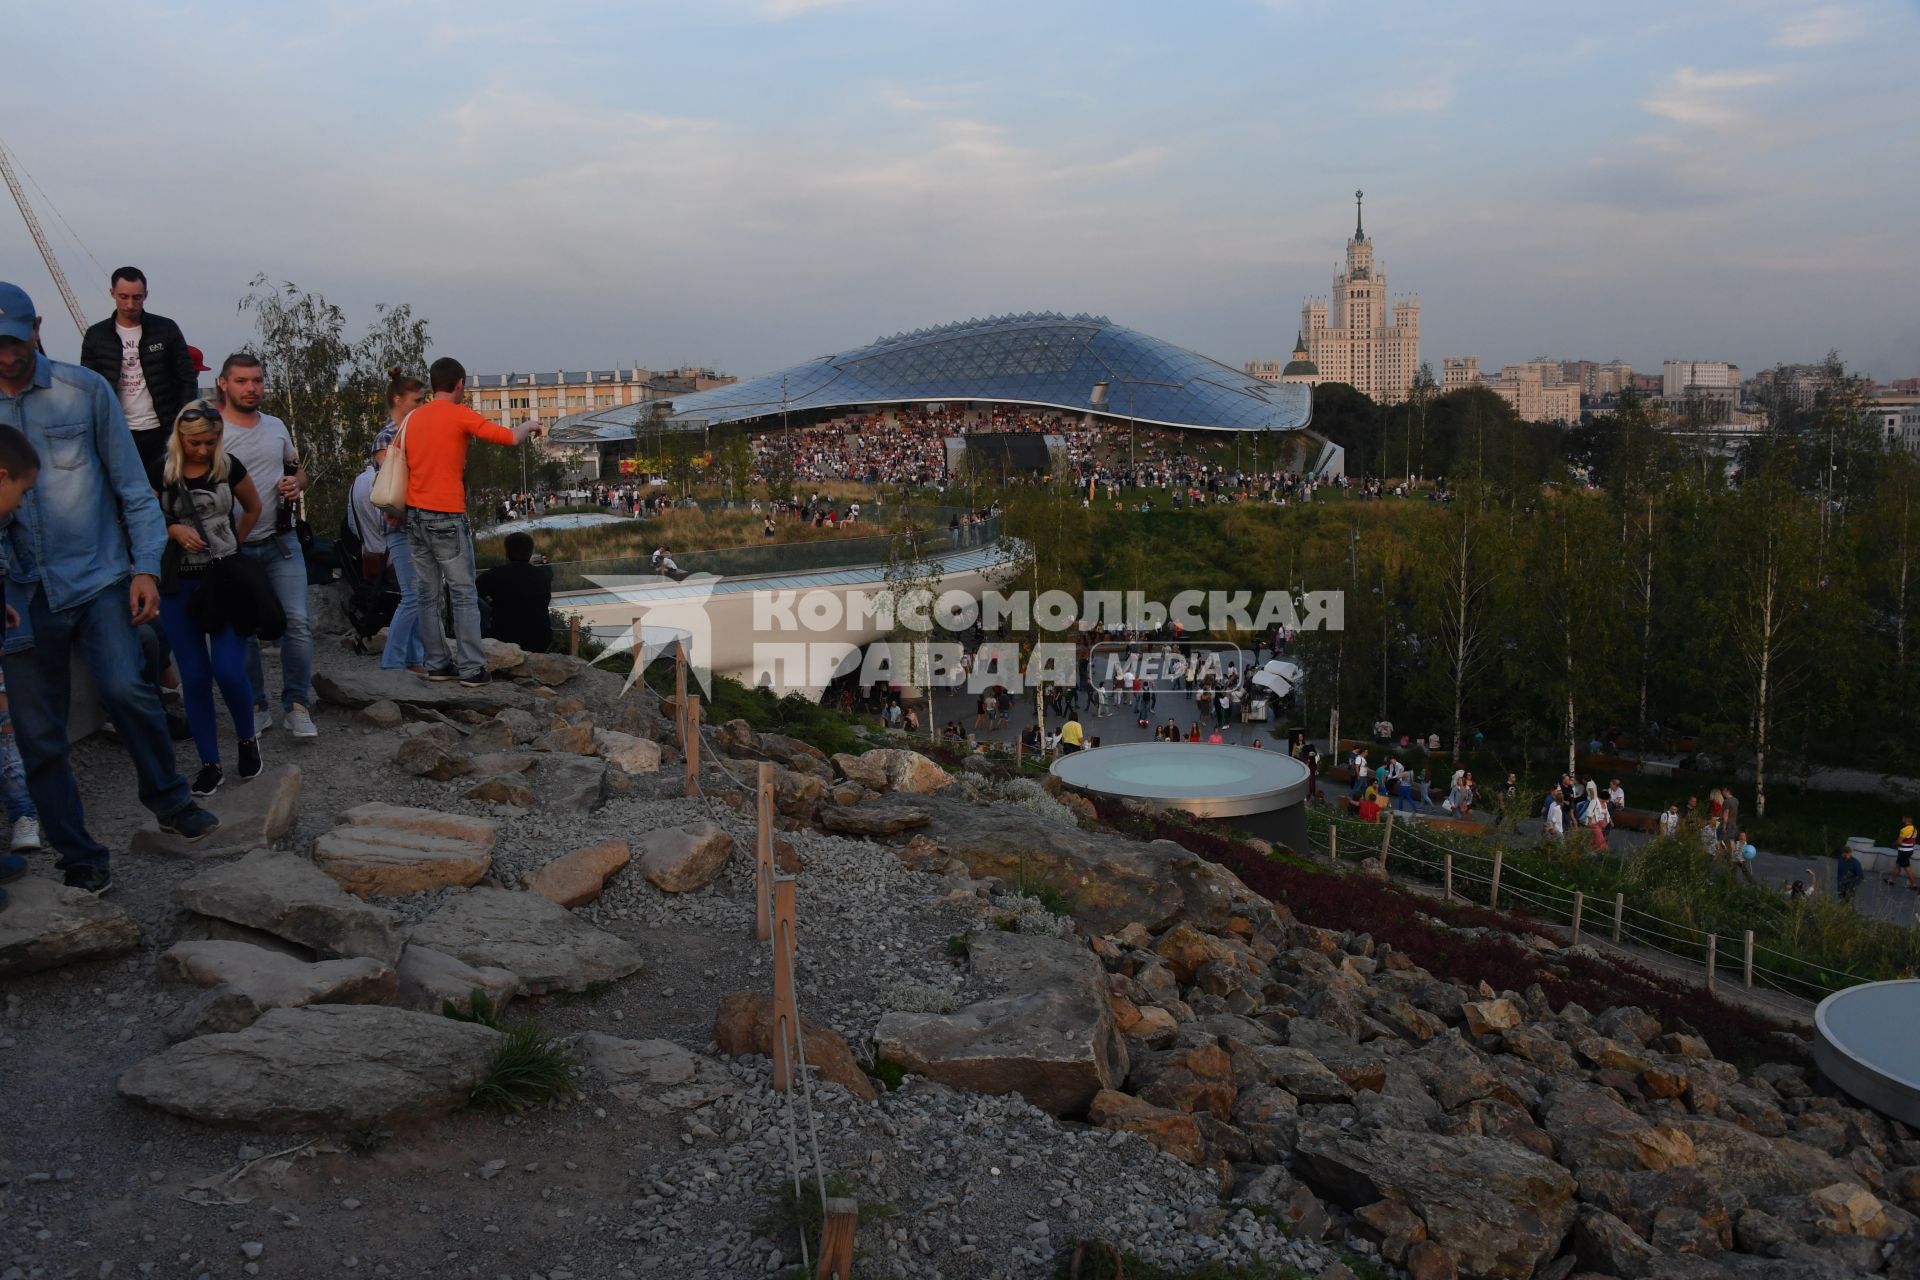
435,436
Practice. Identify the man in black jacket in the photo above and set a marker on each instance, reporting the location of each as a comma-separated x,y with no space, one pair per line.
145,359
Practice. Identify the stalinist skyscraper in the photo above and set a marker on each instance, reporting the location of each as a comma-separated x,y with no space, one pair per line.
1357,343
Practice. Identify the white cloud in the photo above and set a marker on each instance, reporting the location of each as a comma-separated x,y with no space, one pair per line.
1701,99
1828,24
782,10
1434,93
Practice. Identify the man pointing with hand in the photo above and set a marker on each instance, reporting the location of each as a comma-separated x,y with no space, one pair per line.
81,557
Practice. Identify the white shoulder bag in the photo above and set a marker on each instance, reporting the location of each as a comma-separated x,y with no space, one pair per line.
390,486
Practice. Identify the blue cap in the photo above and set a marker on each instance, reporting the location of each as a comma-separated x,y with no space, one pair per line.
16,313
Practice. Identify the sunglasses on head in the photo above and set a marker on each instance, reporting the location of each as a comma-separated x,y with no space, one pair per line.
200,415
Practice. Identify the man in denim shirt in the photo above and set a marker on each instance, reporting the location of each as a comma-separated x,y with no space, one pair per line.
82,561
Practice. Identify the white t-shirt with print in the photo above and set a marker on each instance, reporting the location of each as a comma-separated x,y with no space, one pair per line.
135,400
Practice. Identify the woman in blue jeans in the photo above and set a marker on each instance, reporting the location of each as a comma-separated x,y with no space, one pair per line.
210,506
404,648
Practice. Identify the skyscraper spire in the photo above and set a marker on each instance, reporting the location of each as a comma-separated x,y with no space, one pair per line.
1359,231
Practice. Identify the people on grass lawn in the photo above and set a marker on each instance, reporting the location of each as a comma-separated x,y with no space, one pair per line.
210,504
81,558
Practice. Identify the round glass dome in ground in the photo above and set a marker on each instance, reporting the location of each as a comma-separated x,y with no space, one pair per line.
1262,792
1866,1040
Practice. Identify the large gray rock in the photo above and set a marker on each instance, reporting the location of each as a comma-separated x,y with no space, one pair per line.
541,942
1498,1210
872,819
658,1075
550,669
430,980
286,895
1741,1160
320,1067
569,784
626,752
894,769
1050,1038
682,859
45,924
357,684
1110,881
252,815
245,981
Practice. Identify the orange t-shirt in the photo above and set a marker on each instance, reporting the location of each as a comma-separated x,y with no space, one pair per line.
437,453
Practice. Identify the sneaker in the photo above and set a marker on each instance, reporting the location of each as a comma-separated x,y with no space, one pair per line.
418,669
481,681
262,719
12,867
250,759
95,880
26,833
300,723
190,824
440,674
208,780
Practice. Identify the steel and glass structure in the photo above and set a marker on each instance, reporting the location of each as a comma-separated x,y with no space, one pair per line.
1039,359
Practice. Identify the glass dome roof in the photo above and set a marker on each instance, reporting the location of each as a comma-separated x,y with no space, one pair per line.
1038,358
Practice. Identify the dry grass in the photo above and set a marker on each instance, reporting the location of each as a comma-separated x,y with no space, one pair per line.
684,530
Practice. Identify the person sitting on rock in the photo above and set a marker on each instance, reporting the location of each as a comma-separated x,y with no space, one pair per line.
518,595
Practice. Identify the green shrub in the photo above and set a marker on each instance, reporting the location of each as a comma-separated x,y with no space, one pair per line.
529,1069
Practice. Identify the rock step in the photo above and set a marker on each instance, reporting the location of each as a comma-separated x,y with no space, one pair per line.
46,924
389,862
252,815
454,826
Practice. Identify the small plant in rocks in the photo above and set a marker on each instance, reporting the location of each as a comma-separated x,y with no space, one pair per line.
529,1069
480,1009
794,1213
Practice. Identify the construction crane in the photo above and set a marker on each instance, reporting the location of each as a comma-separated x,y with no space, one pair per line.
40,240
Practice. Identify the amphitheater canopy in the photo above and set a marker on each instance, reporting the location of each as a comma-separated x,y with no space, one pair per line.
1040,359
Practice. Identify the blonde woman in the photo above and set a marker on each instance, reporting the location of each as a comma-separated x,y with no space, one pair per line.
210,506
1596,816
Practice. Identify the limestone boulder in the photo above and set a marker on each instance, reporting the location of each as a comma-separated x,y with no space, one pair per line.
1050,1037
894,769
1499,1211
286,895
569,783
244,981
872,819
253,815
370,860
501,655
656,1075
569,739
745,1025
546,946
682,859
575,879
324,1067
1741,1160
550,669
45,925
628,753
431,980
1173,1131
508,789
381,714
424,756
1491,1017
354,685
432,822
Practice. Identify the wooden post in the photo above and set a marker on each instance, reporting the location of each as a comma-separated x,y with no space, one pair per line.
1446,876
1493,896
1619,915
1386,840
1748,967
763,858
693,745
1713,946
786,1012
1017,746
1579,904
573,637
680,696
836,1239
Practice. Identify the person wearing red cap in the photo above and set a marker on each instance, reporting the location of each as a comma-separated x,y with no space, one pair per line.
146,360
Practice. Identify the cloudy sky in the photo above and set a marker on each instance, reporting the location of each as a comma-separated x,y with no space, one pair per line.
747,183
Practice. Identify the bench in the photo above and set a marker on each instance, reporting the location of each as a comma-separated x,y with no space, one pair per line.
1458,826
1642,820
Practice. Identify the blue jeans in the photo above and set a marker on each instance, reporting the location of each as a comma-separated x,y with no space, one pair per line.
13,771
404,648
1403,797
198,674
38,685
286,568
442,545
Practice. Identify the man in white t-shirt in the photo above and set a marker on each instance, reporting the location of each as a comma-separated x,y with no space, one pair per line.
265,447
145,358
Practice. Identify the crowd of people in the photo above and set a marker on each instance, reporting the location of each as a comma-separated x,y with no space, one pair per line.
154,537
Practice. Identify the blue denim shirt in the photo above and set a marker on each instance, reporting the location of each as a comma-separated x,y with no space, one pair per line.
92,518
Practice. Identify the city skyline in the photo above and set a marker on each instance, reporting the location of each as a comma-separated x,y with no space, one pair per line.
763,182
